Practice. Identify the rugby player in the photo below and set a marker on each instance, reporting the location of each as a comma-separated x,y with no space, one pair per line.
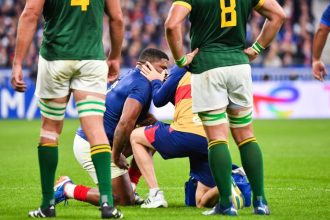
184,137
127,104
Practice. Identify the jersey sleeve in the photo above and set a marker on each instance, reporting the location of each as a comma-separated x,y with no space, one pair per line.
163,94
325,19
184,3
258,4
140,92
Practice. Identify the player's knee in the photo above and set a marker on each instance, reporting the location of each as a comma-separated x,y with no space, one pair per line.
136,136
133,137
52,110
48,136
91,106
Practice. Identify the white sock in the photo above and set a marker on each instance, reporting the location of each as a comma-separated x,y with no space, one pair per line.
153,191
69,190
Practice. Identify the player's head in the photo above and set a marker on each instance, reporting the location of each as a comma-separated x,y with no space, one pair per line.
156,57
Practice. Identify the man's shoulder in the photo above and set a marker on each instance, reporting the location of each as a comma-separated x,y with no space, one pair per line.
325,19
134,81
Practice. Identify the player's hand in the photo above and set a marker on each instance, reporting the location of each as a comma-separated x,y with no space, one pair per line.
151,73
251,53
319,70
17,81
121,162
190,56
114,69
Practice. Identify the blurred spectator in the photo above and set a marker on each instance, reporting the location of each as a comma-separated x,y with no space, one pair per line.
145,27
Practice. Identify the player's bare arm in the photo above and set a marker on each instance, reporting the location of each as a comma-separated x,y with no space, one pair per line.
275,17
149,120
131,111
116,22
27,26
173,33
320,38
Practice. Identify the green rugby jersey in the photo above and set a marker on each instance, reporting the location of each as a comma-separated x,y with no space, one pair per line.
218,29
73,30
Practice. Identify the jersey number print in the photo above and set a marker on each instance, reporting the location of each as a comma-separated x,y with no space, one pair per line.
232,20
82,3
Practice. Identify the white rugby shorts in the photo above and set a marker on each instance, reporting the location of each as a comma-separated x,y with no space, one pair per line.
56,78
222,87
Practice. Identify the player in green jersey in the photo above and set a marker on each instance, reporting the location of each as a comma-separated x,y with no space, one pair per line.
71,59
222,85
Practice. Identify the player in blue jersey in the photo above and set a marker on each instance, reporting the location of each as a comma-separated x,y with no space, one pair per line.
320,38
184,137
127,104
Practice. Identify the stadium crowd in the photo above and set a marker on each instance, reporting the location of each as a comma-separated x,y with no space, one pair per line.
144,20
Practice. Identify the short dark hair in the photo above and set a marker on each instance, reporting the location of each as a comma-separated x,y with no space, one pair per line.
151,55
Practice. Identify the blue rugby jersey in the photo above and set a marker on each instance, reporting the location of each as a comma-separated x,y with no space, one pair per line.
131,85
325,19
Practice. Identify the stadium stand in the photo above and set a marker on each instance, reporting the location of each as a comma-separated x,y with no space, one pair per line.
144,28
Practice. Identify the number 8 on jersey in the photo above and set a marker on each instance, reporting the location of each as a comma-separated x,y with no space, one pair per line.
228,10
82,3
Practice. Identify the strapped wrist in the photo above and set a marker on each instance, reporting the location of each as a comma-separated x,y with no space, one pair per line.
182,61
257,47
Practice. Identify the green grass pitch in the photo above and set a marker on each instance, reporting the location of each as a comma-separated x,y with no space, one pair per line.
297,173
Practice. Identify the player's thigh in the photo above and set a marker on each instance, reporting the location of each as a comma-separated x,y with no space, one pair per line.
52,116
142,136
89,87
91,77
209,90
53,79
189,143
165,140
240,109
122,190
239,85
91,108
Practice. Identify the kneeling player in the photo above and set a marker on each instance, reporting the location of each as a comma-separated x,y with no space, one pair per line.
127,104
184,137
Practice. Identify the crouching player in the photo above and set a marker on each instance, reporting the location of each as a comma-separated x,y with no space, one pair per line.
184,137
127,104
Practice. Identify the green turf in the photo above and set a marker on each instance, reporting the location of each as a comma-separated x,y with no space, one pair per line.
297,173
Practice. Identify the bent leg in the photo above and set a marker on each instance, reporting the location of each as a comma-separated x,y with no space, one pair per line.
143,156
122,190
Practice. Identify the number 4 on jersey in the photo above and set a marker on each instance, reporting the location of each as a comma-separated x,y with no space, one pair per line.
82,3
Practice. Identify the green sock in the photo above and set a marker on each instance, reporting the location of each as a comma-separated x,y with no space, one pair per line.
220,164
48,158
252,162
101,158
